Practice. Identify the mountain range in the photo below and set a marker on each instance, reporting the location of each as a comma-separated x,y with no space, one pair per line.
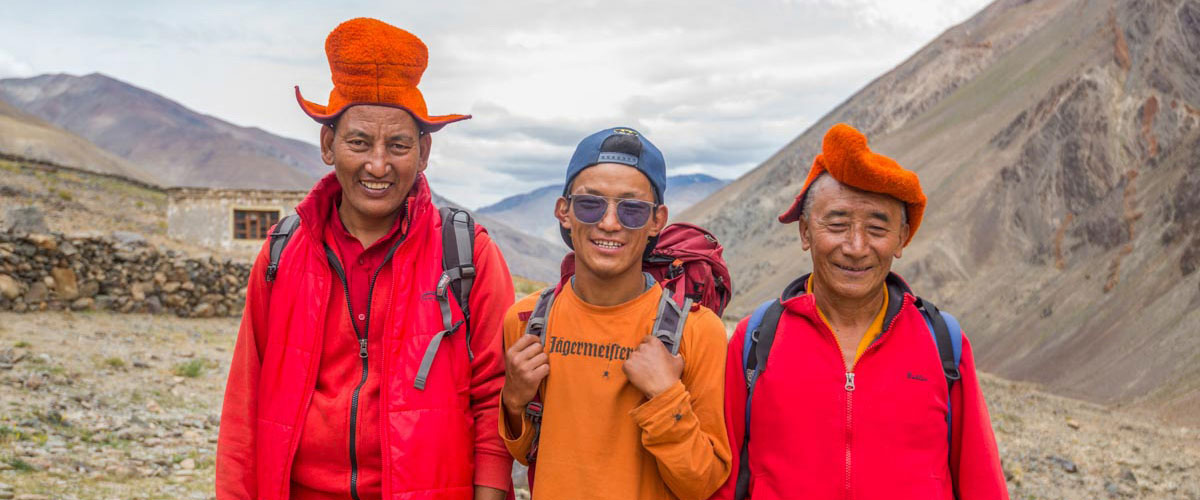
1057,142
101,124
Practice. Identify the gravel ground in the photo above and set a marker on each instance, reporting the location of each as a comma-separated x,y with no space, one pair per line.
111,406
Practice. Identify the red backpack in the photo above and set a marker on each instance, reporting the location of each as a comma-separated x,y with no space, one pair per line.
686,261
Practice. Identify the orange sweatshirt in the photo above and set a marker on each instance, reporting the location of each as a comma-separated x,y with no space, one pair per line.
600,436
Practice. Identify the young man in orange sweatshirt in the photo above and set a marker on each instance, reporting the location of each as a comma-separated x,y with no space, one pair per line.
622,417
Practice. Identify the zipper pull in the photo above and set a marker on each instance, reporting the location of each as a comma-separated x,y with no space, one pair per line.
362,348
849,381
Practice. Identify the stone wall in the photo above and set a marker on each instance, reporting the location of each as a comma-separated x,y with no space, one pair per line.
45,271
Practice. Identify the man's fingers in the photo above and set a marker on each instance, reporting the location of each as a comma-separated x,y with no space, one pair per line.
523,341
539,359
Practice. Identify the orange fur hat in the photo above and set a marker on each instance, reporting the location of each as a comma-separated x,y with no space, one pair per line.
375,63
844,154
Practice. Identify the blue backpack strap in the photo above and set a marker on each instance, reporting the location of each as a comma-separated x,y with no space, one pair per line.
947,336
760,335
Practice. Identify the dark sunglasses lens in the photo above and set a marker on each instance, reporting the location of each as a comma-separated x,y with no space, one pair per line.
634,213
589,209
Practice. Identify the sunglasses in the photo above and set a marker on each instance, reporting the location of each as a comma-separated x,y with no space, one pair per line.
590,209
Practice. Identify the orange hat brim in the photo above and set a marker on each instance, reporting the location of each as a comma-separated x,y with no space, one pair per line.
325,116
846,157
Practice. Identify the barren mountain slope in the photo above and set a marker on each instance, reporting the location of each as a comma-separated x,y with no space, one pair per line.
1057,142
180,146
27,136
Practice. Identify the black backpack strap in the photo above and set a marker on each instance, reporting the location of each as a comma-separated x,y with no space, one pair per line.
278,241
536,325
759,348
668,323
458,274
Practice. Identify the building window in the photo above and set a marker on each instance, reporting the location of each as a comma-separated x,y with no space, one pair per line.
253,224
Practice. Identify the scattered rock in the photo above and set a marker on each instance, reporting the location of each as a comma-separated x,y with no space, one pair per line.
1066,464
25,220
1072,424
187,464
128,238
82,304
43,241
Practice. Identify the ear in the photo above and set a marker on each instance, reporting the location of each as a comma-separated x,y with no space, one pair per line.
659,221
904,228
562,213
327,134
805,233
426,142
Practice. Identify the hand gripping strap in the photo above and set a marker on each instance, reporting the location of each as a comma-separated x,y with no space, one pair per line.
536,325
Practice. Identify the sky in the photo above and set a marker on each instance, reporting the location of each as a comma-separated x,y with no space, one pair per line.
718,86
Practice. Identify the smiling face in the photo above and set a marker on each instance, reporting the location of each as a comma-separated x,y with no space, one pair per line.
376,152
853,236
607,250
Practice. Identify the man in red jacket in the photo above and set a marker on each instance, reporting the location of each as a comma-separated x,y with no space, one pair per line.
853,401
325,398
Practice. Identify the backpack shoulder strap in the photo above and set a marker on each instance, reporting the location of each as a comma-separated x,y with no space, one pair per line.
458,252
668,323
536,325
458,273
947,335
278,241
760,335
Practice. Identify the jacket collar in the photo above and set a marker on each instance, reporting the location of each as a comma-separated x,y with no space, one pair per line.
318,206
796,298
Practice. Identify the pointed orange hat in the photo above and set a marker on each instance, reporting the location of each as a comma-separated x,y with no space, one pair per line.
375,63
844,154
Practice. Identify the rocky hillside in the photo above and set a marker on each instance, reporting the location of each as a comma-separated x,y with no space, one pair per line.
30,137
533,212
99,406
179,146
1057,142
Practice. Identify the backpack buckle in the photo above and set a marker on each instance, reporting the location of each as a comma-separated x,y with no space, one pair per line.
467,270
533,410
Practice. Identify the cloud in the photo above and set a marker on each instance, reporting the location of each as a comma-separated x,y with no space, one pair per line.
11,67
719,86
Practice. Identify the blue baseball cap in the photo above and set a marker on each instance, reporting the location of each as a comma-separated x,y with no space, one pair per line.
624,146
621,145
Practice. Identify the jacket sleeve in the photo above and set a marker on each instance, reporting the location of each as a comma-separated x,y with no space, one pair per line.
684,427
974,457
735,408
235,468
491,296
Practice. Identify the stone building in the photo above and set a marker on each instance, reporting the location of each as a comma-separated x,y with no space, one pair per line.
233,220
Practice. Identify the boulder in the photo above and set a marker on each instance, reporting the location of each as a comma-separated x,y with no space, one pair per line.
66,285
25,220
9,287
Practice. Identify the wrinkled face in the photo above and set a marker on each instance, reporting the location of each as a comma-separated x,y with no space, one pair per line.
606,249
376,152
853,236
